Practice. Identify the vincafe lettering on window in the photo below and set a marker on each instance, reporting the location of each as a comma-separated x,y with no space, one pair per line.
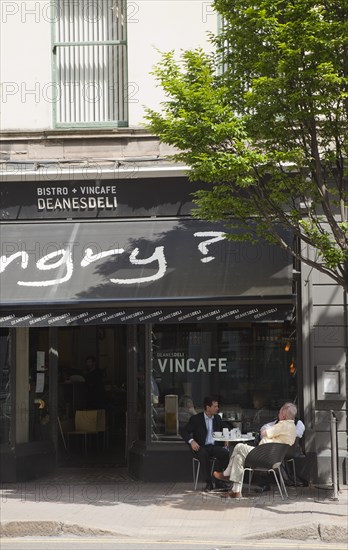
63,258
191,364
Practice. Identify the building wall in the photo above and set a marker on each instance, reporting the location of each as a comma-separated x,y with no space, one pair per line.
25,61
26,73
324,314
163,26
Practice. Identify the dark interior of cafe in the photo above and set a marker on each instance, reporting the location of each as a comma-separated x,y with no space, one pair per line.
92,394
250,367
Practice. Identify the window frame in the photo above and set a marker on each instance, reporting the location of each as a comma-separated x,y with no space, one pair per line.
56,45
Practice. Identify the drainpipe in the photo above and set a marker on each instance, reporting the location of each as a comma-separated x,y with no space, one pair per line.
334,454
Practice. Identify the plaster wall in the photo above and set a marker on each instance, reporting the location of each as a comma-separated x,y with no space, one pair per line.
160,26
25,61
27,90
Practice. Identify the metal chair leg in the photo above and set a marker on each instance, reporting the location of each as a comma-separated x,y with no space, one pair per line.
195,470
278,484
213,460
292,460
282,483
250,479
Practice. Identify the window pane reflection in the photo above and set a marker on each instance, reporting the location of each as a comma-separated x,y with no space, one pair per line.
251,369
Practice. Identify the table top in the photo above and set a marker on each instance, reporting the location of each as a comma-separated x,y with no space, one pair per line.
243,438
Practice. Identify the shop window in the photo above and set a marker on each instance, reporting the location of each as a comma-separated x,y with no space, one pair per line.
5,394
250,369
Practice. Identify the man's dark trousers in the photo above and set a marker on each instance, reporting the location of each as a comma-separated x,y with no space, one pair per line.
207,451
196,429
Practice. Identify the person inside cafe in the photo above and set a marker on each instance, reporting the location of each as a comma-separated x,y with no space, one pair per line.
262,411
95,384
186,409
198,434
282,432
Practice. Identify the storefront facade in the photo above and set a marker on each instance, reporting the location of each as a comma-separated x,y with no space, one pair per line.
100,257
171,309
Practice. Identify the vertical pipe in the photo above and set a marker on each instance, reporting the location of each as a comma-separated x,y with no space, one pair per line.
334,457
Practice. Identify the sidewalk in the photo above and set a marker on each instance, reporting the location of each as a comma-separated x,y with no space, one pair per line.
87,502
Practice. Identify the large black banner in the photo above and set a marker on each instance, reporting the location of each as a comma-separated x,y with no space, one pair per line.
137,261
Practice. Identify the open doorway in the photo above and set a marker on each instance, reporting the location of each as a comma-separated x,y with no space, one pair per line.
95,381
91,394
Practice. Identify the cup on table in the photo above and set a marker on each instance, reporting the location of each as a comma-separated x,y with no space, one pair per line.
225,432
250,434
217,434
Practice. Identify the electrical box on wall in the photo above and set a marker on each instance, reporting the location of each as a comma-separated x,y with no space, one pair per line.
330,382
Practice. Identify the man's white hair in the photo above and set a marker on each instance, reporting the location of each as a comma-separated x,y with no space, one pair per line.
289,410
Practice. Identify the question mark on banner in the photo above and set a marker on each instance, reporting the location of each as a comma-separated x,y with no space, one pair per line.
203,246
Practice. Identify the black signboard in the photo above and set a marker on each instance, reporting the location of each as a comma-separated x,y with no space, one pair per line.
92,199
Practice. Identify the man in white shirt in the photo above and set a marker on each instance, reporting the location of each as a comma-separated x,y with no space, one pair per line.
198,434
283,431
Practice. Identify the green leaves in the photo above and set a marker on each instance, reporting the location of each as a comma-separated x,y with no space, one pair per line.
269,131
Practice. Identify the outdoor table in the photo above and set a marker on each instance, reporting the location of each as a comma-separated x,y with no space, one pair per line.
243,438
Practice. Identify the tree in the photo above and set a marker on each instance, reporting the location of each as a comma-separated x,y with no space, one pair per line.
264,121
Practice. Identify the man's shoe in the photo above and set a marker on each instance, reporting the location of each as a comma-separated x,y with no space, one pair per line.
231,494
209,487
222,485
220,476
263,488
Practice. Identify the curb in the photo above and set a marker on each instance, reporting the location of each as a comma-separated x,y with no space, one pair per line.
50,529
314,531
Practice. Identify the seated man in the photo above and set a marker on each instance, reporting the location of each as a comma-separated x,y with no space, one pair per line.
282,432
296,452
198,433
299,425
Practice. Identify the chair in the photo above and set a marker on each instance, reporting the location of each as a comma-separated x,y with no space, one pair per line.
267,458
290,458
89,422
293,452
196,466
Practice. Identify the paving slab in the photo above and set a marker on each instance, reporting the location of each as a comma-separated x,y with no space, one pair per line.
87,504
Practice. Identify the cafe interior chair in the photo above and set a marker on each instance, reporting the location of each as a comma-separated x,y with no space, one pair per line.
196,466
267,458
89,422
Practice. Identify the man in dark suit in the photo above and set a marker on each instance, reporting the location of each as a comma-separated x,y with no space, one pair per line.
198,433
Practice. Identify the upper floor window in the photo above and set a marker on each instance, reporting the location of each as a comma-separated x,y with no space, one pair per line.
90,62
